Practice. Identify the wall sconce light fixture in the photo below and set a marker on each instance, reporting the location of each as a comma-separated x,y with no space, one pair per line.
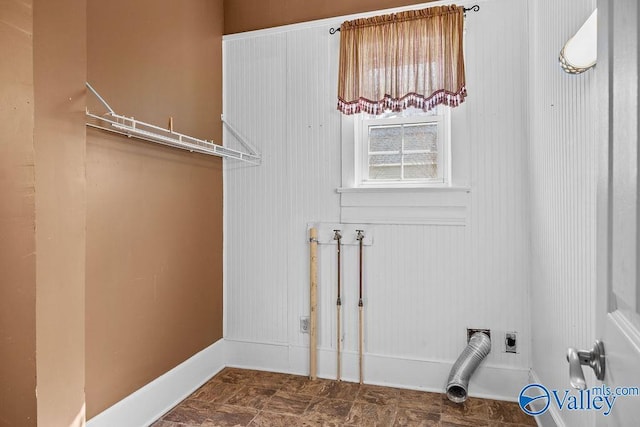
580,52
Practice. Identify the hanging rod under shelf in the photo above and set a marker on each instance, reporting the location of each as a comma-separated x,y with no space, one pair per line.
132,128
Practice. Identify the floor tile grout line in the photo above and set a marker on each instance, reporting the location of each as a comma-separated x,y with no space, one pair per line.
252,419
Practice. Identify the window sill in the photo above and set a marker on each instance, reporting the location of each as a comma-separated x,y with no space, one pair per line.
403,189
424,205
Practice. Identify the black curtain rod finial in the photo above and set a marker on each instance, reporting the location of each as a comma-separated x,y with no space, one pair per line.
334,30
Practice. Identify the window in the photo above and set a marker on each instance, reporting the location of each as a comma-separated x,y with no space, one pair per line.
405,168
404,149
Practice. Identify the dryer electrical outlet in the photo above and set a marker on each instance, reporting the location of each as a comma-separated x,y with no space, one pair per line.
510,342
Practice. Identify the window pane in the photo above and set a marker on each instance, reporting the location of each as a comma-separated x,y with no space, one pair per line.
384,172
421,171
421,158
417,159
384,159
421,166
385,166
385,138
421,137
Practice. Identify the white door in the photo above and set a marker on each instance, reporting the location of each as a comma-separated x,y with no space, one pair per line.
618,311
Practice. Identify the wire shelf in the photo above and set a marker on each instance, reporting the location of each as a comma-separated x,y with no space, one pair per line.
132,128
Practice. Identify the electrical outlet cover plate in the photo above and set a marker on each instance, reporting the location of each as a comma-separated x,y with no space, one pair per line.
305,324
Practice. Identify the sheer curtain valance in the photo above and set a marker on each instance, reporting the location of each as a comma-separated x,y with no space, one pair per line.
408,59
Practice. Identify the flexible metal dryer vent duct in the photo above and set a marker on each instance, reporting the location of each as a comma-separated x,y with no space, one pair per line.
477,349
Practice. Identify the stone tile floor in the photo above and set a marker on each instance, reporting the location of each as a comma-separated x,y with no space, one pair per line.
240,397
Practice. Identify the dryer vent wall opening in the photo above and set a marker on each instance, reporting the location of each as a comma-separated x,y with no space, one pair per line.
478,348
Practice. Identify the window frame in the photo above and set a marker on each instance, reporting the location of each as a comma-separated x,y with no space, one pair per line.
363,122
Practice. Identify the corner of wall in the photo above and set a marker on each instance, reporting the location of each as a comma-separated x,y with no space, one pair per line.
562,187
17,218
60,200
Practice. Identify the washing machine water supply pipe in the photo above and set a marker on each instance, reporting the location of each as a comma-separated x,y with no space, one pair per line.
338,236
360,238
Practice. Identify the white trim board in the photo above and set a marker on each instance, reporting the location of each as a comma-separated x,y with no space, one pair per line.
490,382
146,405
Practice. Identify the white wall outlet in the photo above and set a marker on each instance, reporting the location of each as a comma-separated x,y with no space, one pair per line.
305,324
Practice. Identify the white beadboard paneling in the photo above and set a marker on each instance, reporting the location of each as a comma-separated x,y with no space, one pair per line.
313,168
423,284
426,206
256,197
563,197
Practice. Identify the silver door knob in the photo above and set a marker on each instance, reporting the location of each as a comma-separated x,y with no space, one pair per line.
593,358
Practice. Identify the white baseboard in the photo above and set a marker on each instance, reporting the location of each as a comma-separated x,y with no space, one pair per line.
491,382
149,403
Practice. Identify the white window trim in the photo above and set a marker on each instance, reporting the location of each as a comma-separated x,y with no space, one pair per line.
362,122
421,203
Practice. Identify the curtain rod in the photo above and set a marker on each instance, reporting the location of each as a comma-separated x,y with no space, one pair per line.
474,8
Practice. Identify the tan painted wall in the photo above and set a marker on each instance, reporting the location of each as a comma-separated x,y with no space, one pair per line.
246,15
154,214
59,141
17,218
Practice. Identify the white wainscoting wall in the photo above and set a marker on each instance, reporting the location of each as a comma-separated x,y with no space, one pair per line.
563,198
424,284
